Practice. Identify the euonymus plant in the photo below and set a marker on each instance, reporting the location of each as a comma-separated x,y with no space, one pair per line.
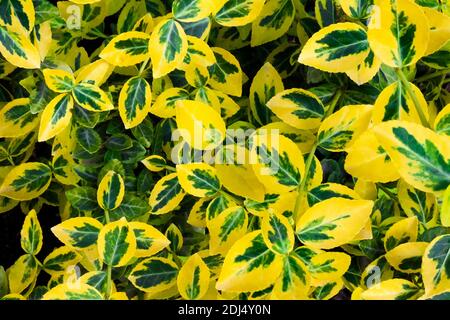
117,116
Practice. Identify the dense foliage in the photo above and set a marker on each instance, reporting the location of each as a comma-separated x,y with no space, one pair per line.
226,149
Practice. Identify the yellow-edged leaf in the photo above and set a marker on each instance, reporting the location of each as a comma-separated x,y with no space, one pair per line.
439,29
127,49
226,73
417,203
149,240
22,273
26,181
266,83
398,32
58,80
333,222
79,233
193,278
16,118
227,228
31,234
198,179
297,107
294,281
249,265
116,243
339,131
200,125
366,159
421,156
55,117
154,275
191,10
277,233
134,101
339,47
92,98
164,106
395,103
436,265
274,21
393,289
234,13
403,231
169,47
407,257
60,260
277,162
18,50
67,291
111,191
166,194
